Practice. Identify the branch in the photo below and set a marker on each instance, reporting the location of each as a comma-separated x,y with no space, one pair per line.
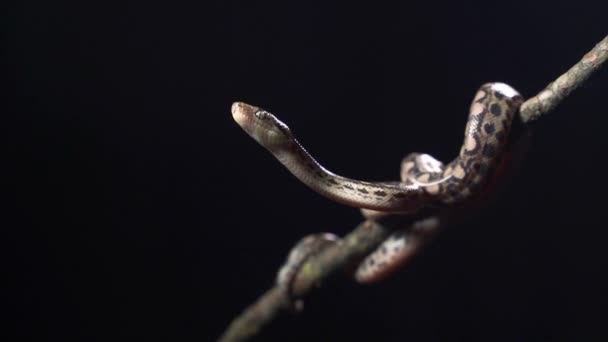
360,242
545,101
369,234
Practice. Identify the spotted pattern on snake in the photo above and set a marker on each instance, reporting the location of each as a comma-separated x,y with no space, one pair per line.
490,119
424,180
397,250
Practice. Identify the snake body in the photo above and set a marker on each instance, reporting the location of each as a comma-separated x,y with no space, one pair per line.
425,181
306,247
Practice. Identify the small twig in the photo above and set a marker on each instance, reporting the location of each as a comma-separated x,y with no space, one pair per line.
257,315
369,234
545,101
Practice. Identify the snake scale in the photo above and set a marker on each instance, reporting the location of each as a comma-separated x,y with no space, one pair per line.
425,181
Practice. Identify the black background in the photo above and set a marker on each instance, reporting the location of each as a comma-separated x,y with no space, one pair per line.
138,210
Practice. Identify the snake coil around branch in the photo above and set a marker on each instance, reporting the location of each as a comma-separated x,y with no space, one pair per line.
313,267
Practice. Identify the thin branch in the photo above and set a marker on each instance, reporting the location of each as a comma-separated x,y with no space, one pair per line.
557,90
360,242
369,234
257,315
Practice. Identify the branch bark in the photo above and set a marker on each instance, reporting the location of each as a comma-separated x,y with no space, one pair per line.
545,101
369,234
360,242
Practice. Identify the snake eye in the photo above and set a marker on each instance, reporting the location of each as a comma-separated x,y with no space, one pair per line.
261,114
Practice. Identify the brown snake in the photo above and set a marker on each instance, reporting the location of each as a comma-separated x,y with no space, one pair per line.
425,181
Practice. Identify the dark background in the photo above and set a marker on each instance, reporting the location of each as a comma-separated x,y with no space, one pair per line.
138,210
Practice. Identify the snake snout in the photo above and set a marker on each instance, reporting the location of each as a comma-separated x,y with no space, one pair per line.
242,113
236,107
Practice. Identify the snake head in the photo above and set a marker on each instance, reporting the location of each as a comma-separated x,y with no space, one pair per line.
262,126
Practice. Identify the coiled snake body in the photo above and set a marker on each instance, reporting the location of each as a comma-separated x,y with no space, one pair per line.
425,181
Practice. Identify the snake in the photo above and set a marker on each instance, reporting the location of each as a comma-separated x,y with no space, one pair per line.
309,245
425,181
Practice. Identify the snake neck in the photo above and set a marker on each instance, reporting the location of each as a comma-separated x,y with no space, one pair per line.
381,196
